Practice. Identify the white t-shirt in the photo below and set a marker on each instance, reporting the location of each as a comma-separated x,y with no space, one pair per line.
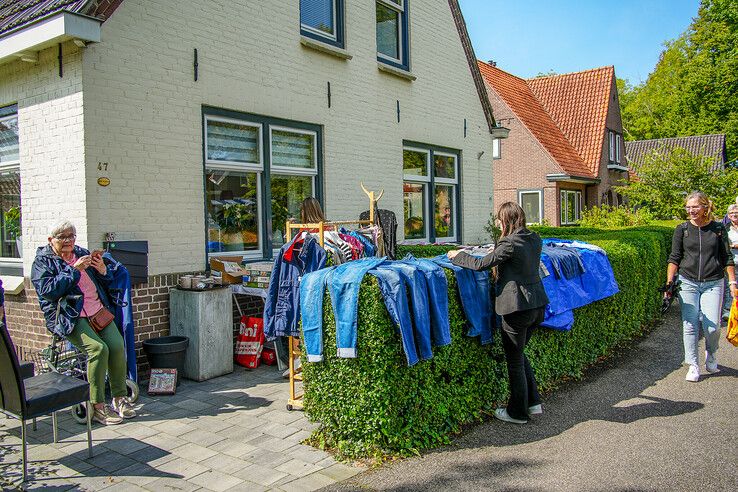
733,238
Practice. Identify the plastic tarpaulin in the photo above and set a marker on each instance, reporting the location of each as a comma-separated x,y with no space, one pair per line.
597,282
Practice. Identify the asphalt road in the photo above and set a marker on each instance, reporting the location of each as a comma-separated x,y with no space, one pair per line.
632,424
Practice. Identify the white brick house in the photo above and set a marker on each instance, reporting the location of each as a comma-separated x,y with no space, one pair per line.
185,105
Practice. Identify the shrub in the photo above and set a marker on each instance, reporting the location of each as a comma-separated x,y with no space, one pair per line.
607,216
375,405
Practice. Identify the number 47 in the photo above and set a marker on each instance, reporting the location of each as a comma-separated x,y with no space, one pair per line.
102,166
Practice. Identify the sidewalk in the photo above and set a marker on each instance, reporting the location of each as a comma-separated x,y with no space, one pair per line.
229,433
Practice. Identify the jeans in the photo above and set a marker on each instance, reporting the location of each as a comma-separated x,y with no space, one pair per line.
344,289
105,355
437,285
517,329
700,301
312,290
392,286
418,290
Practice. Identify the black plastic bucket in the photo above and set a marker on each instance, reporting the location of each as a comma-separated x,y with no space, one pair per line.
167,353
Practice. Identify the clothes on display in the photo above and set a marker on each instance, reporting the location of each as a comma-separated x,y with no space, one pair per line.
435,279
120,296
566,294
565,260
387,222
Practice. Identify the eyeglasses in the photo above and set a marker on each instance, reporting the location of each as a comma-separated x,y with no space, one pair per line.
68,238
693,208
734,214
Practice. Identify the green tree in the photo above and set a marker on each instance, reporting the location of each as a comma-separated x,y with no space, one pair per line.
666,178
693,89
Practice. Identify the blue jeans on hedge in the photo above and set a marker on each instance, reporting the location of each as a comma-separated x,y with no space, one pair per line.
437,285
415,281
344,289
312,290
392,287
705,299
475,298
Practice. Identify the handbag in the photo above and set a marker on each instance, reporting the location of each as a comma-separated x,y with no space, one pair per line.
100,319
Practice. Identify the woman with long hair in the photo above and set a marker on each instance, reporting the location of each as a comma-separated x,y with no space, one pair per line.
521,300
700,252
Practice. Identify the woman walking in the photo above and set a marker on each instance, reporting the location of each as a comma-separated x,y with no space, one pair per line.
700,252
521,300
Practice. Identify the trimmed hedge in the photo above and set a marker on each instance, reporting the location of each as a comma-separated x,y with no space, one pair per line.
375,405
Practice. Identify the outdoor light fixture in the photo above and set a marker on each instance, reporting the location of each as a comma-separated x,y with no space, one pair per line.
500,132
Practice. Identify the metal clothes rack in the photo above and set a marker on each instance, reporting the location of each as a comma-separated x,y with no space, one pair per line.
295,401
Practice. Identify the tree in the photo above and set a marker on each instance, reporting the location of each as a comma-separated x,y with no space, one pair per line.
665,178
693,89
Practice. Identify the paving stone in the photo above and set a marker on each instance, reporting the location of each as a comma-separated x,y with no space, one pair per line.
171,484
226,464
139,474
307,483
182,468
249,486
55,484
165,441
215,480
272,444
266,458
278,430
298,468
262,475
282,416
307,454
110,461
173,427
232,447
194,405
153,456
136,430
125,486
298,436
340,472
201,437
125,445
194,452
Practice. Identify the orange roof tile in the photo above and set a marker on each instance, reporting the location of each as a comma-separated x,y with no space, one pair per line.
519,97
578,103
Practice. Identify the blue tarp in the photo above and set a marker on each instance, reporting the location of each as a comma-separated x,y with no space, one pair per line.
597,282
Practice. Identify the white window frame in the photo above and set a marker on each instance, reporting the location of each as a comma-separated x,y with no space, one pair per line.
235,165
12,166
323,34
611,156
564,202
425,182
400,8
496,148
454,183
540,203
312,171
617,148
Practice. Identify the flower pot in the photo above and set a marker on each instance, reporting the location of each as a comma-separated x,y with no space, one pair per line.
167,353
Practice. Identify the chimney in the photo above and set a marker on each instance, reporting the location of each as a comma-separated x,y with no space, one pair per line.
492,63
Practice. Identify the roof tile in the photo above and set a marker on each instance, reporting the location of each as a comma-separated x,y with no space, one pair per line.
712,146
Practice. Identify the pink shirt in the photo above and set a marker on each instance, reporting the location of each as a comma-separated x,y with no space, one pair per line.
92,302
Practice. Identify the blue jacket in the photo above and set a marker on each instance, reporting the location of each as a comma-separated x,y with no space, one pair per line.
119,290
56,284
282,305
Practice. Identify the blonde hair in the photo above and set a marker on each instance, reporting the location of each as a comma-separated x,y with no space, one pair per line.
311,211
511,217
704,201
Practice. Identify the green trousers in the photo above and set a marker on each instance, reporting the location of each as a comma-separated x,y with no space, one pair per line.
105,355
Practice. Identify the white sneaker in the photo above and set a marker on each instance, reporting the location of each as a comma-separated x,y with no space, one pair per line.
535,410
693,374
501,414
711,363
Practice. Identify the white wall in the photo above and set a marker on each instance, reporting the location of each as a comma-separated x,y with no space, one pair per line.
143,111
51,140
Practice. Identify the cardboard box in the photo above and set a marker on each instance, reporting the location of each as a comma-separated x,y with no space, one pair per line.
230,268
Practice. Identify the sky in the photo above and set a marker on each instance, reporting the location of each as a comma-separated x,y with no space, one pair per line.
527,37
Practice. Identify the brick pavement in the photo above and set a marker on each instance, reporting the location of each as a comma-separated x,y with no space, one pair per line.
229,433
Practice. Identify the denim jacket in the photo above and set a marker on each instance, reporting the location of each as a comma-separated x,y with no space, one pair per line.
282,306
56,281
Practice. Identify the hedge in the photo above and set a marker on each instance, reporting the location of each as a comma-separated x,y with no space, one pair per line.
375,405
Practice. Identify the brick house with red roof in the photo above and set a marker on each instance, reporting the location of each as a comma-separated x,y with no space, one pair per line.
565,150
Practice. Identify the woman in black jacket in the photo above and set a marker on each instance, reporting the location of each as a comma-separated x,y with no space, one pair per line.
521,300
700,251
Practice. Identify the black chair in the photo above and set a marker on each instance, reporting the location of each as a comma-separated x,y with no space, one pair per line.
28,398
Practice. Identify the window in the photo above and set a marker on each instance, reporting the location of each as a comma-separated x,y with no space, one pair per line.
10,194
617,148
532,204
248,158
612,146
392,33
571,206
430,194
496,149
322,20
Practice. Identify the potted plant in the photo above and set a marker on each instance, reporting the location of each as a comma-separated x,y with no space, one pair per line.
12,219
237,219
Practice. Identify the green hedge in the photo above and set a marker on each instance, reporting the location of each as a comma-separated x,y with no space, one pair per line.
375,405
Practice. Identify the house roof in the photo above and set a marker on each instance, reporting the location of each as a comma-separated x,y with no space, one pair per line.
578,103
712,146
520,98
16,14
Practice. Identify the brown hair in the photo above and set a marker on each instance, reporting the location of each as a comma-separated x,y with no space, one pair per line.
311,211
511,217
704,201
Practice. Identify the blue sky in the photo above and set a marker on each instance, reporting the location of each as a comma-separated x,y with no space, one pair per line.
526,37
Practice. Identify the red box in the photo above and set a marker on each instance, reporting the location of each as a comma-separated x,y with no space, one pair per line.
269,356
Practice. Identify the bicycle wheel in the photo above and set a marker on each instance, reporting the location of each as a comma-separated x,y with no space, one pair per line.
132,388
79,412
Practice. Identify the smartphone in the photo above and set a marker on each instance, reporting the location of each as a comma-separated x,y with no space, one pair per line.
97,253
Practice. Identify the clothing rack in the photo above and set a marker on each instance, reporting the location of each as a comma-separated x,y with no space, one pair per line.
295,401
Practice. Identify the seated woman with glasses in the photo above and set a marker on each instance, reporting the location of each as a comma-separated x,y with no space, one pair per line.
71,284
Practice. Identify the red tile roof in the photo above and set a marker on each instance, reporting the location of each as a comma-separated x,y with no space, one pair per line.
522,100
578,103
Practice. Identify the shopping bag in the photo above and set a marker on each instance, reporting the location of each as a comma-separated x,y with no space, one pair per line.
269,356
732,331
250,342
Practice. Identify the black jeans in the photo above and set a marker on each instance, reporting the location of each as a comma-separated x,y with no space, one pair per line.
517,328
